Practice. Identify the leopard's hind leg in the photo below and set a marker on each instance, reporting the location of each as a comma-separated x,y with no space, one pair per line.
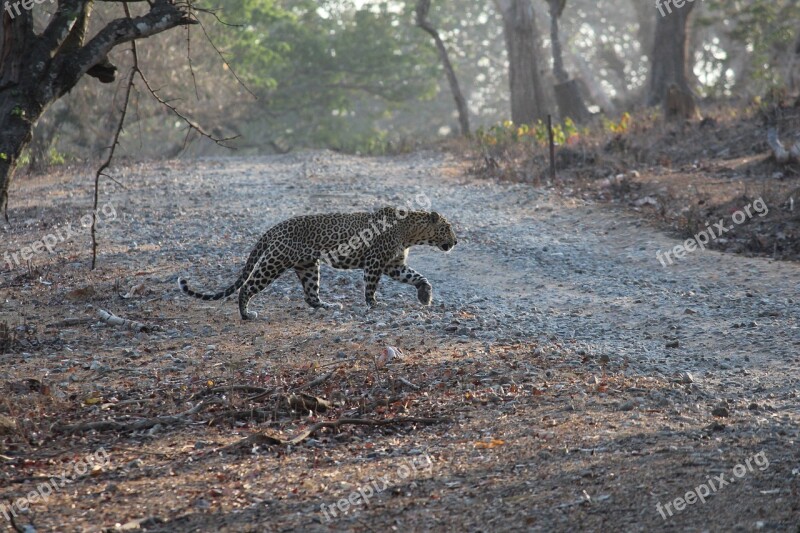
265,272
308,273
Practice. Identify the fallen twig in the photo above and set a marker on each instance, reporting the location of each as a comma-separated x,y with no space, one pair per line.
258,439
69,322
114,320
404,381
259,415
321,379
138,425
230,388
306,402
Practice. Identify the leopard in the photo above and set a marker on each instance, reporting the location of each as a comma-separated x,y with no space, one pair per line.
377,242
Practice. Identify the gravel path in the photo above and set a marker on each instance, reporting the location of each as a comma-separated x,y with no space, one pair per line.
541,264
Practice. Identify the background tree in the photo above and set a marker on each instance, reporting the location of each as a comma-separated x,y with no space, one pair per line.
422,9
522,45
568,96
36,69
669,71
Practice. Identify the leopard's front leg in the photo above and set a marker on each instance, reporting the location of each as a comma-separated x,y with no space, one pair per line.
372,275
399,271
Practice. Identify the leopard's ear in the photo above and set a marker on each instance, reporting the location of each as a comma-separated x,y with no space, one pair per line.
434,217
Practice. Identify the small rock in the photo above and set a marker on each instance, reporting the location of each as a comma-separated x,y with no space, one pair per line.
672,344
720,411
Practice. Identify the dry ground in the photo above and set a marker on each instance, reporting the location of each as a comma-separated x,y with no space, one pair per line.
579,384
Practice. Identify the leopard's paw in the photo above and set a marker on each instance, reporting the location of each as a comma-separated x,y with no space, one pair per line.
425,294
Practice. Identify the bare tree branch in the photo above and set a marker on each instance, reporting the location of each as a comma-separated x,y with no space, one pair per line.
189,122
58,28
161,17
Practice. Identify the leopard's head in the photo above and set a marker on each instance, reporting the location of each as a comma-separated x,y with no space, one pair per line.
443,235
432,229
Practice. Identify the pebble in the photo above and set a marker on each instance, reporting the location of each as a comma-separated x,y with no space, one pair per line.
720,411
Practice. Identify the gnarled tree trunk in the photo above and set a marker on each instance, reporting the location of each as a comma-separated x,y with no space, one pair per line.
38,69
568,95
670,54
522,44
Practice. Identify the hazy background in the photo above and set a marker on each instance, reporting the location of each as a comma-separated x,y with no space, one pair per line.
362,77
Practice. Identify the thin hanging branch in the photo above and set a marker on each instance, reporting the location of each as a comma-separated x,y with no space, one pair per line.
189,58
101,170
422,9
189,122
217,50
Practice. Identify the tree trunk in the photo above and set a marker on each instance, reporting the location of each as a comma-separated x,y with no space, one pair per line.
597,92
646,18
36,70
16,105
521,35
423,6
568,95
556,7
670,53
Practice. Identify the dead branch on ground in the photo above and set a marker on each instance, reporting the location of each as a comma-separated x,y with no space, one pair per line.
261,439
114,320
141,424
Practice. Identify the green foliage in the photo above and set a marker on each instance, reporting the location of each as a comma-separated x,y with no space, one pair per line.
51,158
327,73
617,127
763,29
506,133
55,158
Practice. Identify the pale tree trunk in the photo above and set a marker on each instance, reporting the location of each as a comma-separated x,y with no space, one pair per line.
568,95
38,69
646,18
522,36
670,53
596,91
791,64
423,6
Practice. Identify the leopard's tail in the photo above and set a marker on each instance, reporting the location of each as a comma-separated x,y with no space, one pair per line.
250,267
218,296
